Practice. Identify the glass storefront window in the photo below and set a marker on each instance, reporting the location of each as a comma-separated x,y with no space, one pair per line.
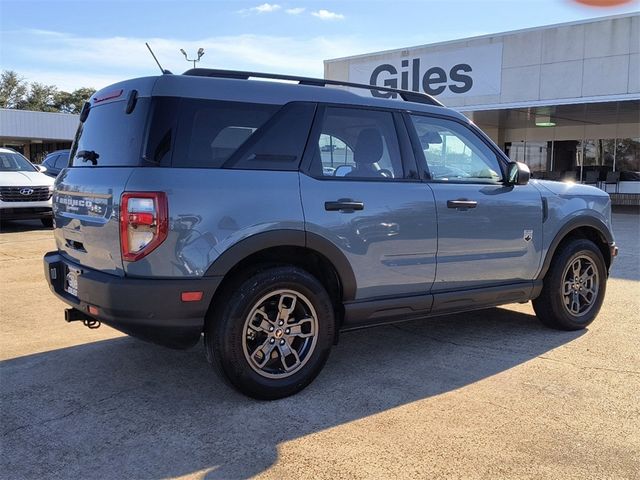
572,159
628,155
538,156
591,154
515,151
608,151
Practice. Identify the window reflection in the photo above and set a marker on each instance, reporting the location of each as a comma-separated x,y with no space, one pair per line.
627,159
577,160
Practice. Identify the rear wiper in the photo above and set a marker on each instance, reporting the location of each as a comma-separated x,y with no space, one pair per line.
88,156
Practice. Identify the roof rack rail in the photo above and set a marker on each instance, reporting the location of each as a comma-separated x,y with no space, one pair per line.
406,95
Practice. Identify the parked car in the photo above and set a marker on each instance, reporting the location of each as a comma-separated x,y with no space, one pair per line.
327,148
55,162
199,204
25,191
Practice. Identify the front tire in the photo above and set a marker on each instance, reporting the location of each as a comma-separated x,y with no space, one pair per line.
47,222
273,333
574,287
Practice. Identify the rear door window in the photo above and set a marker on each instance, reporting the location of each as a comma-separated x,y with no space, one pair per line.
358,144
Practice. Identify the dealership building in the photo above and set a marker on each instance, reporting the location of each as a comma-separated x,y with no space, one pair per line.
35,134
565,99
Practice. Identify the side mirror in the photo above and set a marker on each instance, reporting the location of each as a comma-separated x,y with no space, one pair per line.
41,168
342,170
518,173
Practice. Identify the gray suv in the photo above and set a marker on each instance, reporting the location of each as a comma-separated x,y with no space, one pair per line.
270,216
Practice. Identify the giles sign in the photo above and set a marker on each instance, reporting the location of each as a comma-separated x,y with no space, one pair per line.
468,71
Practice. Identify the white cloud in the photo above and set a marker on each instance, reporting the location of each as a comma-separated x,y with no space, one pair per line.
327,15
295,11
264,8
69,81
71,61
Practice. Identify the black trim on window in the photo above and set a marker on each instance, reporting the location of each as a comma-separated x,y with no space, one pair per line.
423,173
314,134
409,162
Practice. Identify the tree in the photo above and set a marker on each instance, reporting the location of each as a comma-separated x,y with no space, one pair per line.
17,93
40,98
13,89
72,102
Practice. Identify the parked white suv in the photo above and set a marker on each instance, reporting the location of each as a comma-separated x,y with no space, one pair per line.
25,192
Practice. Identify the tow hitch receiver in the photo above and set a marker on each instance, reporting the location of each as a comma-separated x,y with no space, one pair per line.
75,315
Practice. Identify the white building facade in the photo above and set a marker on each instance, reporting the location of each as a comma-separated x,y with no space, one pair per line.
35,134
565,99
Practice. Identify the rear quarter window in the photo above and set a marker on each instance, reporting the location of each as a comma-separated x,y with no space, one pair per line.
195,133
201,133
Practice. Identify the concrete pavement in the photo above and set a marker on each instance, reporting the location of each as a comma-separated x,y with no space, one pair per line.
489,394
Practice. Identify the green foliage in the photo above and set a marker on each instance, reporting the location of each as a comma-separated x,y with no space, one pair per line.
13,89
72,102
40,98
16,92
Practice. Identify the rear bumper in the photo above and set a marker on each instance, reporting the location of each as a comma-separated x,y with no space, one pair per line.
150,309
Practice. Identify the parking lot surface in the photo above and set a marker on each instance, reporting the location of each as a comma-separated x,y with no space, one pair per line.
488,394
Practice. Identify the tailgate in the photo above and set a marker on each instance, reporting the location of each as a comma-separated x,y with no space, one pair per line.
86,206
106,150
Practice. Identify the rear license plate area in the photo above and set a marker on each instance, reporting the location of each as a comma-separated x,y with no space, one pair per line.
71,280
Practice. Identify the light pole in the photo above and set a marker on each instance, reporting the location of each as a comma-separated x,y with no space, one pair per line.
194,60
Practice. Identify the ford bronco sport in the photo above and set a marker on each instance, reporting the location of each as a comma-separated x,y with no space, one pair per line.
269,216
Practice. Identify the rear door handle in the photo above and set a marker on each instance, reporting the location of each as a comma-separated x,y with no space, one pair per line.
462,203
343,205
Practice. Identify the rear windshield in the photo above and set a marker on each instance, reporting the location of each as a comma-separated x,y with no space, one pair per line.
110,137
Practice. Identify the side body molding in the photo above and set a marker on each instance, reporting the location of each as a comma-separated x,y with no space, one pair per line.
287,238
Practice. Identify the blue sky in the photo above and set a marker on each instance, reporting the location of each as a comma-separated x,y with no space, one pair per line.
94,43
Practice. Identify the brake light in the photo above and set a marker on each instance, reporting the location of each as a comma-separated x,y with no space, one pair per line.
107,96
144,223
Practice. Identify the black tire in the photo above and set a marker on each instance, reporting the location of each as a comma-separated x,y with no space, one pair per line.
551,307
47,222
228,332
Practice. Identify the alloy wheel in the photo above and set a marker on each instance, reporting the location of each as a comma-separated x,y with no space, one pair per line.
580,285
280,334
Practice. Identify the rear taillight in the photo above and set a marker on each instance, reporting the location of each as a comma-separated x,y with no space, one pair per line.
144,223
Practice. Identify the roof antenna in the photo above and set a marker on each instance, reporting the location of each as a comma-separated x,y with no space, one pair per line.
154,57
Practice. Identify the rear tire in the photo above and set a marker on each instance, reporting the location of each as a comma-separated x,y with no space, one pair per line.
272,332
574,287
